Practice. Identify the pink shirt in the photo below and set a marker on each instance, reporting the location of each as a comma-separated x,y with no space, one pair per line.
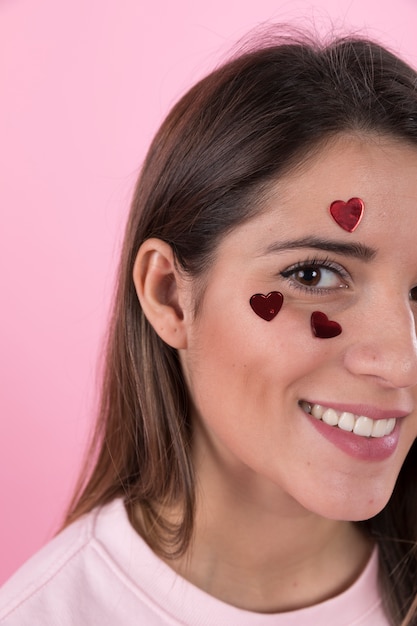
100,572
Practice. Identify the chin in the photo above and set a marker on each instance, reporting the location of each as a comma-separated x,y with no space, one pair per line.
365,512
352,507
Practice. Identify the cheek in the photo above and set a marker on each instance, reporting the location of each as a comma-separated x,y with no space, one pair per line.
247,357
287,344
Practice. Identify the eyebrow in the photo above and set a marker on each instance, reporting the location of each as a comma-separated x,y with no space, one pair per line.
356,250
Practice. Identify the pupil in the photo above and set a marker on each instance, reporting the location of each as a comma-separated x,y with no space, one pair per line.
310,275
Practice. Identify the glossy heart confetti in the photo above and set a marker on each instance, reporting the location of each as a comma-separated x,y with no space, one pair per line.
267,306
347,214
323,327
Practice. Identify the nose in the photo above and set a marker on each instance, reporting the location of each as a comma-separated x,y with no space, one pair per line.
385,345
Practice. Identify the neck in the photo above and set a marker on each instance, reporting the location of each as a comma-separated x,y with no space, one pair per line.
257,549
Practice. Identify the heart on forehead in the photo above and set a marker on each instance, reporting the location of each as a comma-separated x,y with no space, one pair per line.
323,327
267,306
347,214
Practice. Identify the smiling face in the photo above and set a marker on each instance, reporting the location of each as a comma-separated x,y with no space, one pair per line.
258,387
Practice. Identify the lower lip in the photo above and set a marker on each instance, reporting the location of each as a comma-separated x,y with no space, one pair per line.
363,448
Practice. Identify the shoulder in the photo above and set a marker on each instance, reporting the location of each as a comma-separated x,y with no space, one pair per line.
69,579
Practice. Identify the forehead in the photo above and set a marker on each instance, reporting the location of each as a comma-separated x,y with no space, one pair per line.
382,171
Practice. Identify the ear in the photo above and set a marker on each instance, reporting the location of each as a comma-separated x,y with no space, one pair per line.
160,290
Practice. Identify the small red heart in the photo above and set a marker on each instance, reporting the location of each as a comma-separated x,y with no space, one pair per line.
267,306
347,214
323,327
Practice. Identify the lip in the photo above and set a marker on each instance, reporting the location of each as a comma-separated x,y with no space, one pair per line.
361,448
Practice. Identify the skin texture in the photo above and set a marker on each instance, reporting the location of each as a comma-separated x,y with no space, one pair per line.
275,497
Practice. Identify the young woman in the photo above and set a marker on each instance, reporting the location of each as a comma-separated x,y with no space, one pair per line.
254,462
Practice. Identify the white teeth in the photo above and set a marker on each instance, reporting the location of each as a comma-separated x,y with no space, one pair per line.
347,421
363,426
330,417
378,428
358,424
317,411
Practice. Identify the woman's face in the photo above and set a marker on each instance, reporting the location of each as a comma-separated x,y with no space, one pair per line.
253,381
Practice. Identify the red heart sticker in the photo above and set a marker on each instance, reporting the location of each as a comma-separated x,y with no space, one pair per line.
267,306
323,327
347,214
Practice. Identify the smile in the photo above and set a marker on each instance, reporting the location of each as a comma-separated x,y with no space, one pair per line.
358,424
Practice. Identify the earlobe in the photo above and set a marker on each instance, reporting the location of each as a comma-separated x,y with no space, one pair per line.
159,288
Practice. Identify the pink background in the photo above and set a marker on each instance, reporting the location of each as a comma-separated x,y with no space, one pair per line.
83,87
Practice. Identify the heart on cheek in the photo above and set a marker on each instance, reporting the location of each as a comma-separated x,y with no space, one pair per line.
347,214
323,327
267,306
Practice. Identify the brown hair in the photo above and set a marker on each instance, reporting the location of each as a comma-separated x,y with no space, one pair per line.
207,171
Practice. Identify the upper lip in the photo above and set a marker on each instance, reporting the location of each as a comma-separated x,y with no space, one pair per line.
366,410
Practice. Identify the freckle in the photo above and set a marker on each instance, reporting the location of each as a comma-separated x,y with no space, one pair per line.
295,583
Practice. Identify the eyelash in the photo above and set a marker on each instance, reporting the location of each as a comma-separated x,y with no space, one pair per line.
315,263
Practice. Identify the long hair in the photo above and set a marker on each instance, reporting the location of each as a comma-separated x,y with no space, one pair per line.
208,169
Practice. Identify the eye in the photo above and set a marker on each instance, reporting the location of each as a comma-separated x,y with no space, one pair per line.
321,277
317,276
413,294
